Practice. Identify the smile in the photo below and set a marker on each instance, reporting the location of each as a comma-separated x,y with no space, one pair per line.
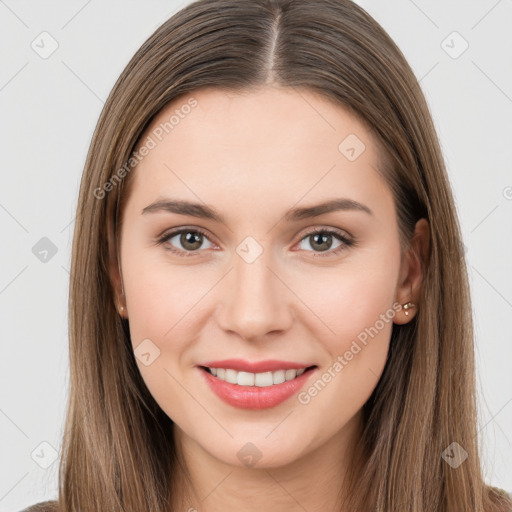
268,384
261,380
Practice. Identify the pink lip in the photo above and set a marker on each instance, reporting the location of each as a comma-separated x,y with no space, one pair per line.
254,397
270,365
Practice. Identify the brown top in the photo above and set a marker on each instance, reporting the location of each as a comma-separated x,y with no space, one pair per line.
43,506
51,506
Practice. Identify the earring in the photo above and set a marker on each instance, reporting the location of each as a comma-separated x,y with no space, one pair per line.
407,306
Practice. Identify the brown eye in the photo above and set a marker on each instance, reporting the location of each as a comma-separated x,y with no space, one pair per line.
191,240
321,241
185,241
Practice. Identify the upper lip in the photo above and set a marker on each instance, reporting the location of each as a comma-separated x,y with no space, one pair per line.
270,365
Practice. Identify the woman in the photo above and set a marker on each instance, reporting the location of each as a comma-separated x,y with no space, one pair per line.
269,305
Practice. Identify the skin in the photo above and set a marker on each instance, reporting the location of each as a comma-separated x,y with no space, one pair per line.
253,156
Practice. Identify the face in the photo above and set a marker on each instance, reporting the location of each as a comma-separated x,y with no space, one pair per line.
290,304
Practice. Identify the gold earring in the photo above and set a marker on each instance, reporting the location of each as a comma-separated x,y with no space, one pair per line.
407,306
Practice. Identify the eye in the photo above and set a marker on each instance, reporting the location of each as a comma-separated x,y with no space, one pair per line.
189,239
321,241
189,242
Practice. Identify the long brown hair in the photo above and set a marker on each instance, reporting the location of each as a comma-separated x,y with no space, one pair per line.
118,452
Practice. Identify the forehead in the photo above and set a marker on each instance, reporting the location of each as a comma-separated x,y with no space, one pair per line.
214,142
242,114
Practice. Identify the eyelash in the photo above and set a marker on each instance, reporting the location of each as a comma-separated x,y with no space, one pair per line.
346,242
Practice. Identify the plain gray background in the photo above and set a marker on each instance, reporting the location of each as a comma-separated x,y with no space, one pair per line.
49,109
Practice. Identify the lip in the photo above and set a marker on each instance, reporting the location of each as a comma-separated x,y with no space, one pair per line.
269,365
254,397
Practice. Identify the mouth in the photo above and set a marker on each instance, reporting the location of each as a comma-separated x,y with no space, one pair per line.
255,389
261,379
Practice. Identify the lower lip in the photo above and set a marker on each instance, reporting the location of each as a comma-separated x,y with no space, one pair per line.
254,397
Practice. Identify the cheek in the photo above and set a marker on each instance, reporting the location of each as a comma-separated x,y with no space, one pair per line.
159,295
353,298
360,313
163,303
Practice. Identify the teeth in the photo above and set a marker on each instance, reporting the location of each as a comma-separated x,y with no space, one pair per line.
230,376
278,377
262,380
244,378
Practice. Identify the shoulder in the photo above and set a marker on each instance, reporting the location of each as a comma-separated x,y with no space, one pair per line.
43,506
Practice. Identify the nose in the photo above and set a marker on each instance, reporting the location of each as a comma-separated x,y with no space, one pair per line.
254,301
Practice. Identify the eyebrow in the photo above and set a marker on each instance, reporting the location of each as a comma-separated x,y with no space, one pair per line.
206,212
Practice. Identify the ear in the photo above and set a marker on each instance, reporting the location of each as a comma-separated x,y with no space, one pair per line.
412,269
115,273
